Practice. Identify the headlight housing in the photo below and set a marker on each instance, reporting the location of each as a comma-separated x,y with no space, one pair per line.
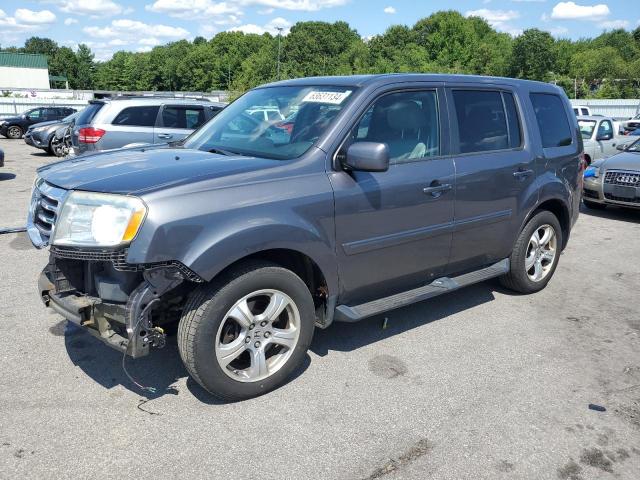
38,129
98,220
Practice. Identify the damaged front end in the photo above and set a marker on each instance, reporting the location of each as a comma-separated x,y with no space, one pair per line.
126,306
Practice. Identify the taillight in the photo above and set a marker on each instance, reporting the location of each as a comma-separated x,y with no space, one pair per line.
90,134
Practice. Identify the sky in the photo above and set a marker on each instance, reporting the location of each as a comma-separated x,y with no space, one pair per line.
107,26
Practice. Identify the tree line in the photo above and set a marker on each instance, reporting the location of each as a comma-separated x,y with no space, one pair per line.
607,66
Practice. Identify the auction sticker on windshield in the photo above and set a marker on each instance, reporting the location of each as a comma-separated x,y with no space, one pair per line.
333,98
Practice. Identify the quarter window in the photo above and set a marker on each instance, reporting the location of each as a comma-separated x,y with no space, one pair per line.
407,122
137,116
552,120
487,121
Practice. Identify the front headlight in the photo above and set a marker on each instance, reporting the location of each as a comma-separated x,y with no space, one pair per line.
98,220
38,129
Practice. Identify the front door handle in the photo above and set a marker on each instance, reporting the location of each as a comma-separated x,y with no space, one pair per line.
164,135
522,174
436,190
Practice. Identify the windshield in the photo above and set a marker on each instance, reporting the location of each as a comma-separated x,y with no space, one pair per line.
634,147
70,117
253,124
586,127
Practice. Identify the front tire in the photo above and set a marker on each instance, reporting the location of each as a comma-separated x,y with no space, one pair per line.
14,132
536,253
245,333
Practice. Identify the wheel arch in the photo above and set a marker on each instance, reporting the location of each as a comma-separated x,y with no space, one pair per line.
560,209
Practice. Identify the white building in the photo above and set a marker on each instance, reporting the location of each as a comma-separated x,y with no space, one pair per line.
23,70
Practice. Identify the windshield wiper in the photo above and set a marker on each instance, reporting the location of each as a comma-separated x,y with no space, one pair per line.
220,151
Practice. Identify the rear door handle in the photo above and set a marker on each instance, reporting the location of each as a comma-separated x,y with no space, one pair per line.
437,190
164,135
522,174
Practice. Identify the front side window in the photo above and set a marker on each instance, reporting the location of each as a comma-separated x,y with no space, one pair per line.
552,120
407,122
605,129
245,128
487,121
35,114
137,116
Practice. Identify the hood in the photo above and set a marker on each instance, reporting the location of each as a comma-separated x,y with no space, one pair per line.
137,170
623,161
11,119
43,124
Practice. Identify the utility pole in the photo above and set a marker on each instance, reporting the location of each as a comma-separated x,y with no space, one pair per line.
279,40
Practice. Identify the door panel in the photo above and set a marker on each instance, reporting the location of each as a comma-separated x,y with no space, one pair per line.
177,121
494,176
391,234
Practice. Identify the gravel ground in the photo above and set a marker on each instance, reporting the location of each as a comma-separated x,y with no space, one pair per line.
479,384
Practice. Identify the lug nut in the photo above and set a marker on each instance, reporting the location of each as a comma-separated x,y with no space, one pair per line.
247,340
257,344
267,334
263,323
252,326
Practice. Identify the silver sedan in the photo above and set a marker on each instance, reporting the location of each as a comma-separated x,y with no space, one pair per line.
614,180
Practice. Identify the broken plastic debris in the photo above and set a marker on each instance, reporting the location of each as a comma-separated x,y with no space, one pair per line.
597,408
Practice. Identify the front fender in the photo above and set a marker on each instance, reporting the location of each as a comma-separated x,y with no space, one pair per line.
229,247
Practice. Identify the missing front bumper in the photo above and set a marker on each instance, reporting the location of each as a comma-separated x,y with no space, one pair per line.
126,327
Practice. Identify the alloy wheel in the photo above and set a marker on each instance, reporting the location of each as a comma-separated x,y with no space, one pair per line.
257,335
541,253
14,132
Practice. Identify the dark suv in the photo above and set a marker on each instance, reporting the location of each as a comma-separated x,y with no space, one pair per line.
387,190
14,127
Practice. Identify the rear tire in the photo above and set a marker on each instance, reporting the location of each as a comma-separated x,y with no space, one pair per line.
14,132
593,205
236,338
533,262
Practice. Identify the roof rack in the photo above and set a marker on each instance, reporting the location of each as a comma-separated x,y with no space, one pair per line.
155,96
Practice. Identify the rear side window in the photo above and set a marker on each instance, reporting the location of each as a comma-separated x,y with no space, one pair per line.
86,116
487,121
552,120
137,116
183,117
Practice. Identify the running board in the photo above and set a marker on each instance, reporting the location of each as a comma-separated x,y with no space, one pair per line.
345,313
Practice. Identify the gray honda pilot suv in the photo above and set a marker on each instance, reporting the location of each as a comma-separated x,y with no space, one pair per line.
376,192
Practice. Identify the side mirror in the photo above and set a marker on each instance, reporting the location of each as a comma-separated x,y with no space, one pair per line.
606,136
622,147
367,157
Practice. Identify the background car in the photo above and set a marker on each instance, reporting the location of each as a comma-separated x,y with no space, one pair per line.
614,180
14,127
580,110
113,123
1,158
41,135
632,123
599,137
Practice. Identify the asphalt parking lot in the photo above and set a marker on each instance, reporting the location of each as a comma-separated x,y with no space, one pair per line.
479,384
